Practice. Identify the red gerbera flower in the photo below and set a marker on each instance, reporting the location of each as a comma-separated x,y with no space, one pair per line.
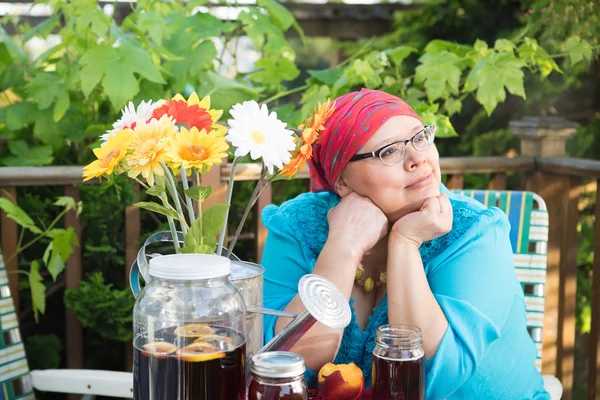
184,114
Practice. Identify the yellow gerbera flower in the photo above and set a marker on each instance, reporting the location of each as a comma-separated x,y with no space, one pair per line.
148,147
196,149
110,155
205,104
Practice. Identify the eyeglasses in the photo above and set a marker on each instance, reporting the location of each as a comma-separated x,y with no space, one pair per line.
393,153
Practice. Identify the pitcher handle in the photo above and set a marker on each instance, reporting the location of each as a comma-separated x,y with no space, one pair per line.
140,264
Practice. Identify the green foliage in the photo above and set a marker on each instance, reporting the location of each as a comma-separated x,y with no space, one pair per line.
43,351
103,308
57,252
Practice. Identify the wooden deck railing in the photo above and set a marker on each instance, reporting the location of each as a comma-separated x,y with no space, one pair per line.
557,180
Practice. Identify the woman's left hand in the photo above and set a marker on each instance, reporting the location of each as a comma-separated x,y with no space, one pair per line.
433,220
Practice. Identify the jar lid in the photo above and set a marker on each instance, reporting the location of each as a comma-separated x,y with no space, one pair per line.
278,364
189,266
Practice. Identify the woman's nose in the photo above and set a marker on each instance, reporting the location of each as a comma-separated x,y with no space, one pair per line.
413,158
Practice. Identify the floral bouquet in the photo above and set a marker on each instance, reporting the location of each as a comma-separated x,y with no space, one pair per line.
161,145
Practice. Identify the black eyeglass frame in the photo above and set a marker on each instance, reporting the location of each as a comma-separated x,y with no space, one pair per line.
376,153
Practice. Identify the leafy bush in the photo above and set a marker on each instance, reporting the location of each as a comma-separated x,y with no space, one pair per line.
101,307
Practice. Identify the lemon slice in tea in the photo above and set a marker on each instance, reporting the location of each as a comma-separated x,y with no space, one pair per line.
159,349
194,330
200,351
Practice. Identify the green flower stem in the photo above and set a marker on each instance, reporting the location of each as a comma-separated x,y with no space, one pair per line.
40,236
171,224
188,200
283,94
175,195
257,192
228,202
198,182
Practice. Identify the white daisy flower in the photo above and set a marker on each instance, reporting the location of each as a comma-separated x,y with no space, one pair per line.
130,116
253,130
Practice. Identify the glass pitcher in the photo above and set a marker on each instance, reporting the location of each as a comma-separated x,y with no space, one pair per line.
189,331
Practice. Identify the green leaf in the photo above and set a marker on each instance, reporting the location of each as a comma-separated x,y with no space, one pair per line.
282,17
25,156
578,50
213,219
194,235
159,180
536,56
274,71
314,95
156,190
491,75
38,290
438,46
444,128
157,208
67,202
453,106
15,51
327,76
95,61
43,29
504,45
439,74
153,23
204,249
207,26
481,47
17,214
199,193
198,59
63,241
89,15
19,115
399,54
120,84
225,92
47,130
260,28
139,61
62,104
44,88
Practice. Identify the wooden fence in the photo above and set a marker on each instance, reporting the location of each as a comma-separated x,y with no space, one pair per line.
557,179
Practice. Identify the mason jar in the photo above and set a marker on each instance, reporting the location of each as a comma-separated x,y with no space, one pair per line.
398,363
189,331
278,375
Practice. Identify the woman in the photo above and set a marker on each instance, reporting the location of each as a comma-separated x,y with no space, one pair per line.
377,204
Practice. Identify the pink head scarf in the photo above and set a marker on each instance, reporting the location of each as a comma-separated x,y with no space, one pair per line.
357,116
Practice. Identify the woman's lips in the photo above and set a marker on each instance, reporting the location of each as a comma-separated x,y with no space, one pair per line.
421,182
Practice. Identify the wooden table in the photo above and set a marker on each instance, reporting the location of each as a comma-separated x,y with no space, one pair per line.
313,394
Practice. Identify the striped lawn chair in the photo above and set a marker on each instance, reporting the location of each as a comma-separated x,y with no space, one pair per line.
18,382
528,218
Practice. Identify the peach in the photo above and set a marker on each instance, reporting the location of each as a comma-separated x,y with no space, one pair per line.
341,382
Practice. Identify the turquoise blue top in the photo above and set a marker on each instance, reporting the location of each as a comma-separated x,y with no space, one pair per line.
486,352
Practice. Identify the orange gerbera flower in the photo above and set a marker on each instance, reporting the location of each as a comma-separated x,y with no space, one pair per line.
295,165
319,116
188,116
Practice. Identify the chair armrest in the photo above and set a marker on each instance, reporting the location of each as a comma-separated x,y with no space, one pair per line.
553,386
84,381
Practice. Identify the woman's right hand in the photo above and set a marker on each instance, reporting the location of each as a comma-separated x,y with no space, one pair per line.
356,224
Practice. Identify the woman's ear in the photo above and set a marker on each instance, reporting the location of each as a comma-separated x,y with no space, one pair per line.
342,188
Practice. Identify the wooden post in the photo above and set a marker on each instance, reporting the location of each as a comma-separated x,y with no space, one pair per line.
264,200
219,186
498,181
547,137
73,272
594,356
456,182
10,238
132,239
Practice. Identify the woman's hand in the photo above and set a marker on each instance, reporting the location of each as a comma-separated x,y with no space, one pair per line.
433,220
356,224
